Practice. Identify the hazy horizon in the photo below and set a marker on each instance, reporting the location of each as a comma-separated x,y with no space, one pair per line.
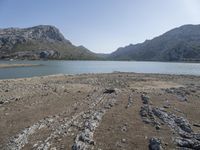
102,26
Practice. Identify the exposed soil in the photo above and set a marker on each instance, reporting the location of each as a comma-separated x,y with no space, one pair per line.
117,111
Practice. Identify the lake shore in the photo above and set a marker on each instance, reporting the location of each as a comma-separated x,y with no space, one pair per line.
17,65
100,111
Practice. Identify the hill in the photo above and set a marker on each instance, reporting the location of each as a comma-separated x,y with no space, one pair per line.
179,44
38,42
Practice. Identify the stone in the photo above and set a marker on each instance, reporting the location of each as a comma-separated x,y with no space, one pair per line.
123,140
130,102
196,125
183,124
109,91
155,144
166,106
188,143
145,99
124,128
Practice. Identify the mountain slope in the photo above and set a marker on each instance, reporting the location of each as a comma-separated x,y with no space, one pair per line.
39,42
179,44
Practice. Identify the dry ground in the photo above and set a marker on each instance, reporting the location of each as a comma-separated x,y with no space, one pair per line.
95,111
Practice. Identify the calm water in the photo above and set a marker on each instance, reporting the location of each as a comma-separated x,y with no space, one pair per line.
78,67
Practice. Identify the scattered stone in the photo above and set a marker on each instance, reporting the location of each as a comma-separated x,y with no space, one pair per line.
166,106
145,99
155,144
196,125
109,91
180,92
123,140
6,102
84,140
130,102
6,114
119,144
124,128
148,116
182,127
188,143
183,124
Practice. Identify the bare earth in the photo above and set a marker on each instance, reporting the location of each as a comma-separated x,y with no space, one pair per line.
118,111
16,65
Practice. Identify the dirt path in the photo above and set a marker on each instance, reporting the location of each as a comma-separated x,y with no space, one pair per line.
100,111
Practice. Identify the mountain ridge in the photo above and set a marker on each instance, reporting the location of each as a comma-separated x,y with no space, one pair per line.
47,42
39,42
179,44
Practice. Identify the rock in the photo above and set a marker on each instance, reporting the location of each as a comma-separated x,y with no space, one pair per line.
188,143
155,144
183,124
124,128
182,127
180,92
6,102
130,102
158,127
146,120
196,136
48,54
196,125
123,140
1,102
84,139
148,117
109,91
144,111
86,136
16,99
166,106
145,99
176,123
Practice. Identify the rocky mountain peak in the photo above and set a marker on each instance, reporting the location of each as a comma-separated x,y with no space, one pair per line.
42,41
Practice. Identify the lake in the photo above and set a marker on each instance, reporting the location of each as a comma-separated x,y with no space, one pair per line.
78,67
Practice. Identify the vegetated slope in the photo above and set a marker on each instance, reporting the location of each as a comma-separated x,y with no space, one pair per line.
179,44
37,42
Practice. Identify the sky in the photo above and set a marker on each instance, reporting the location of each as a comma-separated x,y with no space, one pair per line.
102,26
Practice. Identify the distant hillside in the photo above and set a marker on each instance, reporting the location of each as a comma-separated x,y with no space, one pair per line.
39,42
179,44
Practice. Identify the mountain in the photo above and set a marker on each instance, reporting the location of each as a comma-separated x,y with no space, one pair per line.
179,44
38,42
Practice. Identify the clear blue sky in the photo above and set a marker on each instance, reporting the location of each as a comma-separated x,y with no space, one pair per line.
102,25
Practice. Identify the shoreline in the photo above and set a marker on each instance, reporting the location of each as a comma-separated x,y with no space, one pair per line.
88,74
156,61
18,65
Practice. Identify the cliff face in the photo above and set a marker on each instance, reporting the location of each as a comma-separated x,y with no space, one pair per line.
39,42
179,44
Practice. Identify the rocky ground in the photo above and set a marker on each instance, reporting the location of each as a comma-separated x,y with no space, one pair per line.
118,111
